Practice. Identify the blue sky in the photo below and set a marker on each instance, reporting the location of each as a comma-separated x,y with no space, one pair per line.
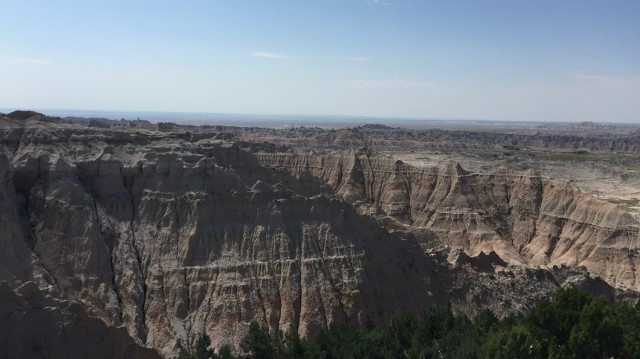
557,60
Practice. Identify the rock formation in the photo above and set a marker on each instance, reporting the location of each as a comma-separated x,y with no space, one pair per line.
170,238
525,218
149,238
623,140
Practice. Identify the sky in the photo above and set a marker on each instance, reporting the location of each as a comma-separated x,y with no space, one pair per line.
521,60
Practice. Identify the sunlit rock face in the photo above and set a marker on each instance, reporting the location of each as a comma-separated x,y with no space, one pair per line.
525,218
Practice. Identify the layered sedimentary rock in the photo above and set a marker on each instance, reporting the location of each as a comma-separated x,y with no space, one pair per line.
168,238
165,235
525,218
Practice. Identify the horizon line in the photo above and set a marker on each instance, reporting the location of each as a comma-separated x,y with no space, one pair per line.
256,116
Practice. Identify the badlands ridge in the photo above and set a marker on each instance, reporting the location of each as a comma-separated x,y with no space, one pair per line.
146,235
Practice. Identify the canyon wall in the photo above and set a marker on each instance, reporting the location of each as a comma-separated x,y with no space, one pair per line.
169,238
525,218
148,239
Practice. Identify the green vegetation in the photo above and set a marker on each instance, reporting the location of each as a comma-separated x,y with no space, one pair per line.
201,349
572,325
570,156
633,202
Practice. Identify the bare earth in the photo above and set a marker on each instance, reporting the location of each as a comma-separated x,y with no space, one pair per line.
151,233
599,178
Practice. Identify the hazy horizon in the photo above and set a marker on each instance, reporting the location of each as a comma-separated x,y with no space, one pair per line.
285,120
549,61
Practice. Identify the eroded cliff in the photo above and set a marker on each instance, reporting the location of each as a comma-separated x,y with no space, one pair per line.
170,237
525,218
164,235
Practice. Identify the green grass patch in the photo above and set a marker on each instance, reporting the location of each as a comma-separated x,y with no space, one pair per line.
568,156
633,202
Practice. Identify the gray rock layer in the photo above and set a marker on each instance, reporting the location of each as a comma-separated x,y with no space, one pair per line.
37,326
169,238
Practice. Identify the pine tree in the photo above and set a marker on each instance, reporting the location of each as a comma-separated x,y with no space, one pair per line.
200,349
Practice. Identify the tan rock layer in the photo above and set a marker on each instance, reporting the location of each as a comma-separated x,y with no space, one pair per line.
525,218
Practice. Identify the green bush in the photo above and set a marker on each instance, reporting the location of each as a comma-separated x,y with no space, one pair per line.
571,325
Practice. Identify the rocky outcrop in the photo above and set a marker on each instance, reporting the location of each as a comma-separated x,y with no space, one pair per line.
170,238
161,236
483,283
525,218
